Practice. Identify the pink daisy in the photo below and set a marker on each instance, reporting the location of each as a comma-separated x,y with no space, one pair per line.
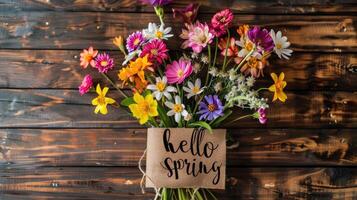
178,71
156,51
104,63
134,41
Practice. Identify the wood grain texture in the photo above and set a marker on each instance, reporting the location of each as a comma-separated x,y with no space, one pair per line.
65,108
60,69
207,6
78,30
31,148
123,183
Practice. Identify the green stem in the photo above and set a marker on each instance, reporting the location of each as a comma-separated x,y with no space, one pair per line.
209,63
226,51
245,58
260,89
242,117
215,53
116,87
153,122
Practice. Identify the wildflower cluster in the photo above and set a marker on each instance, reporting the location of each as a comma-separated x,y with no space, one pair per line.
200,88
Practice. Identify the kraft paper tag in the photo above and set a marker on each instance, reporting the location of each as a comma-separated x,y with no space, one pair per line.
186,158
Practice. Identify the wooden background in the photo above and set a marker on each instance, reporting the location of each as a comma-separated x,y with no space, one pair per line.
52,146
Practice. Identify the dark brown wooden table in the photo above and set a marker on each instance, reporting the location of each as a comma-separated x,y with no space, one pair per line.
52,145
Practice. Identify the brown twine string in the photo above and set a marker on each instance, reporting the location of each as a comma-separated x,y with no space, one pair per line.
157,190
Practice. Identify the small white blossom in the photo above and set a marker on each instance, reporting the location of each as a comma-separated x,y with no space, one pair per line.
194,55
213,71
188,117
218,87
204,59
232,75
250,81
193,90
281,44
177,109
155,32
160,88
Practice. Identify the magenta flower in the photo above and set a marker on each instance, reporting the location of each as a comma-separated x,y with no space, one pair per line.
134,41
261,38
156,51
178,71
221,21
211,108
262,115
188,14
156,2
104,63
199,37
86,85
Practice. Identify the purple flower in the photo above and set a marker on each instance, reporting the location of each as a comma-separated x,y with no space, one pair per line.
187,14
211,108
103,62
261,38
134,41
156,2
262,115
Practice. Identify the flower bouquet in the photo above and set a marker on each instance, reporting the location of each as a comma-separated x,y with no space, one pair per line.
214,75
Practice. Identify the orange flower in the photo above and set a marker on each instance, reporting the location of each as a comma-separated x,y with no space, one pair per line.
243,29
87,57
135,73
118,41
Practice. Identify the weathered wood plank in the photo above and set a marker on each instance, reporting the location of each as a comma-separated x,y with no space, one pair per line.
123,183
29,148
77,30
65,108
60,69
241,6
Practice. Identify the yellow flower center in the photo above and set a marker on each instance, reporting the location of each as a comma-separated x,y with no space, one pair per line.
253,62
154,52
279,46
104,63
101,100
136,41
195,89
211,107
177,108
279,85
248,46
180,73
160,86
189,14
159,34
144,107
88,57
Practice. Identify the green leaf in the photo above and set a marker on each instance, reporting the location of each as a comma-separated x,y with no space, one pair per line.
127,101
217,121
201,124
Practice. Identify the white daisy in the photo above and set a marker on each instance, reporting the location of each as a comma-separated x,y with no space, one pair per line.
155,32
177,109
193,90
281,44
160,88
246,46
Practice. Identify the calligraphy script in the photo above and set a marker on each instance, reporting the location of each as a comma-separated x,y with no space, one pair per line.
196,148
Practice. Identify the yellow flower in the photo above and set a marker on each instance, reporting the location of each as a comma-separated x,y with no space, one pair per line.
278,86
118,41
101,101
144,107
